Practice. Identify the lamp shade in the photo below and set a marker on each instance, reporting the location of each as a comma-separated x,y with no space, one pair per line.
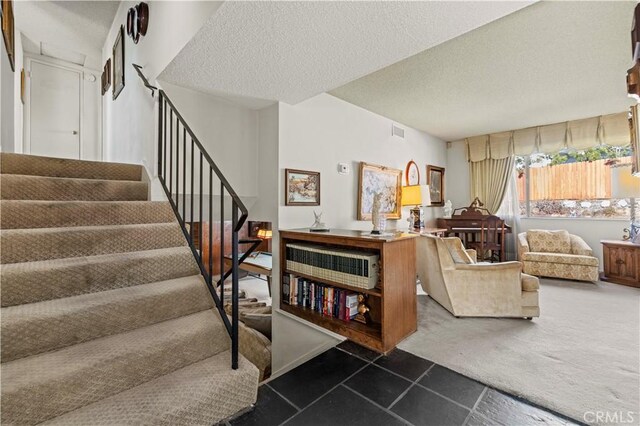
623,183
416,195
265,234
411,195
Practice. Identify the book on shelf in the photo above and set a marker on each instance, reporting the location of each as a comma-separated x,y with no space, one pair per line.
324,299
349,267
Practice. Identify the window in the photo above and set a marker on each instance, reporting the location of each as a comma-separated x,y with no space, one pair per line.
572,184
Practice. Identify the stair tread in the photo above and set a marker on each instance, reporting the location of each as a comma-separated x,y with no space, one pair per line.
44,326
35,165
29,187
47,385
22,214
30,282
24,245
203,393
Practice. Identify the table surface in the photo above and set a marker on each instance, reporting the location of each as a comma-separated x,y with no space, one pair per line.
262,259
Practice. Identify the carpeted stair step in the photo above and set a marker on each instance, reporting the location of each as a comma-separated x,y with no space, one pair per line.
44,386
28,245
45,326
20,214
53,279
20,164
22,187
203,393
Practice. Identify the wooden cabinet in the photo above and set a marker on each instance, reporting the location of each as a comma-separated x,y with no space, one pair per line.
621,262
393,301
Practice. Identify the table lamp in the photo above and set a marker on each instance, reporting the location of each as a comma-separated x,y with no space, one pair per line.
417,196
625,185
265,234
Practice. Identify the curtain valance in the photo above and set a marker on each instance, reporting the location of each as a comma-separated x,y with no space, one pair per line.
612,129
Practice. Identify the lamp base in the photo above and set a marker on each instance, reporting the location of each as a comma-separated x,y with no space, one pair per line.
416,221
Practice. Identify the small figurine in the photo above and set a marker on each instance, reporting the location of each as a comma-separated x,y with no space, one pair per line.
447,209
376,215
318,225
363,315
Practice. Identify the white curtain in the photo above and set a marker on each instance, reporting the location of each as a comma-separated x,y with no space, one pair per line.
510,212
490,179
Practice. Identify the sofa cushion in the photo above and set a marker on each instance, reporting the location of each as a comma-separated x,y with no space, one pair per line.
568,259
260,322
543,241
457,251
529,282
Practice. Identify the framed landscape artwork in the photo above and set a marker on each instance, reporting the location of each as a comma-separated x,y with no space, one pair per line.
118,63
435,180
379,179
302,188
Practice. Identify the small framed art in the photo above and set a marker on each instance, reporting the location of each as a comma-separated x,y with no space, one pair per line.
302,188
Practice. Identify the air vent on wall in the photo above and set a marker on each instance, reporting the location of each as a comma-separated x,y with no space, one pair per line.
397,131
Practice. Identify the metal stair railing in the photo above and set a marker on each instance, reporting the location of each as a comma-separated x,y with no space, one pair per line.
187,172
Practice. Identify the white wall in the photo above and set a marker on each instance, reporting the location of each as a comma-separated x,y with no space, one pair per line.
7,134
591,230
18,109
266,206
323,131
316,135
129,131
227,131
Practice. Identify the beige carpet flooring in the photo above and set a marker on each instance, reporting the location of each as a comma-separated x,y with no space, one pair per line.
582,354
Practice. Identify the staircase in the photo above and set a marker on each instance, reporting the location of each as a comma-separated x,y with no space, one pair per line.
105,316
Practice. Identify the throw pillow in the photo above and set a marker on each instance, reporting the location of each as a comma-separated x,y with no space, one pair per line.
543,241
259,322
457,251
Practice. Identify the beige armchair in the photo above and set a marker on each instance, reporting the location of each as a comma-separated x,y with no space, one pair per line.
449,275
557,254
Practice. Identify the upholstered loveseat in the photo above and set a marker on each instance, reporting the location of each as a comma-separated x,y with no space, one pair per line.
449,274
557,254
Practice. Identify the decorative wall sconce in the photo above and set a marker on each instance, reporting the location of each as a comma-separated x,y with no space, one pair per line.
138,21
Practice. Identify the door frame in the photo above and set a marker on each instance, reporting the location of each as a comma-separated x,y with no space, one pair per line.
82,72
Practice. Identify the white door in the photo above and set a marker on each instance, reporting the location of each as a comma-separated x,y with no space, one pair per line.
54,120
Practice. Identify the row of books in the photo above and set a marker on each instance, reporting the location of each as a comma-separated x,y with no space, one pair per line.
349,267
322,298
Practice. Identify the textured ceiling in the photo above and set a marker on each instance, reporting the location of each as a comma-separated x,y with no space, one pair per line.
547,63
78,26
291,51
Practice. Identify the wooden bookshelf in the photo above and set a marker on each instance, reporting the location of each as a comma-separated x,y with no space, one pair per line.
393,301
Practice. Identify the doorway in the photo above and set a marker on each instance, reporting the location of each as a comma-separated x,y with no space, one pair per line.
54,119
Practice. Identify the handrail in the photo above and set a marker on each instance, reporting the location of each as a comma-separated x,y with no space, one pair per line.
144,79
239,212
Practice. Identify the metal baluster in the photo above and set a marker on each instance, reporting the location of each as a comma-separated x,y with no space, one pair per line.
222,268
170,152
160,136
234,287
210,226
192,192
184,173
177,165
200,215
164,145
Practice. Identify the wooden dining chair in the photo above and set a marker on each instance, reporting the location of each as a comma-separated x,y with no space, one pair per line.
491,239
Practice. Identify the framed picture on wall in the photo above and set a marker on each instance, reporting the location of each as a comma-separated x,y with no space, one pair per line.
379,179
302,188
8,31
435,181
106,76
118,63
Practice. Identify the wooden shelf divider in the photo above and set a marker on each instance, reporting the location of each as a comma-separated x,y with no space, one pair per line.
395,307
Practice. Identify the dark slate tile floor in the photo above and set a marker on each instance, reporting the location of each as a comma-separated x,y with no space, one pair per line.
352,385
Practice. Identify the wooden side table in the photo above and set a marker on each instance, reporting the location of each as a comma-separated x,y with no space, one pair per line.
621,262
